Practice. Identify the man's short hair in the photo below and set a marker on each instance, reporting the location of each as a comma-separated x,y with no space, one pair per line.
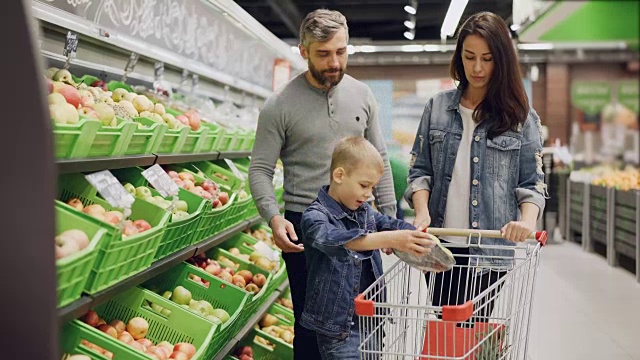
321,25
353,152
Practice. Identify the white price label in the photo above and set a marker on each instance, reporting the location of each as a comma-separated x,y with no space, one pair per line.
111,189
234,169
161,181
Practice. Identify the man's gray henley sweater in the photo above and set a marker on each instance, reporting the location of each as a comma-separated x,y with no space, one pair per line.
301,125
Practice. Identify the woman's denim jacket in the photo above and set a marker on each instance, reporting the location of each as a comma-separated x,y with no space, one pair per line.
334,270
506,171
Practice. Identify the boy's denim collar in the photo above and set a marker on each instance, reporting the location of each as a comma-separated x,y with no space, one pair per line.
455,101
336,209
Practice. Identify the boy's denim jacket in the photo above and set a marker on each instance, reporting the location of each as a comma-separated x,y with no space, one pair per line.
506,171
334,270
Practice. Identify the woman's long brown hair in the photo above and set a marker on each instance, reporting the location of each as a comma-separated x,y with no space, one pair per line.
505,104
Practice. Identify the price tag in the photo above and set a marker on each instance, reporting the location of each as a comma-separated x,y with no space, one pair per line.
237,173
131,64
158,70
184,78
70,47
111,189
195,81
266,251
161,181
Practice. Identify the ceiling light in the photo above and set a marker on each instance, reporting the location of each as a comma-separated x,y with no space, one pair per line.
451,20
412,48
409,24
515,27
410,9
410,34
351,49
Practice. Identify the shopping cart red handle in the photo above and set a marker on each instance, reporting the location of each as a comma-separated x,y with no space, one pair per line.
540,236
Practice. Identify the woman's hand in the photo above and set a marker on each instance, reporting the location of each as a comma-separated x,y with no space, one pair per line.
422,220
517,231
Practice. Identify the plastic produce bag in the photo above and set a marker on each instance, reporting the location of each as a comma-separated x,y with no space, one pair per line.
437,260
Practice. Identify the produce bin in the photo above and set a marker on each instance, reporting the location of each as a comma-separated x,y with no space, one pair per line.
576,210
625,226
74,140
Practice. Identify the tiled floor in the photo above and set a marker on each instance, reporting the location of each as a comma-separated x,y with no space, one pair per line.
583,309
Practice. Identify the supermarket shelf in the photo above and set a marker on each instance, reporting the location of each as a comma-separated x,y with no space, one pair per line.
234,154
102,163
105,163
164,159
227,349
82,305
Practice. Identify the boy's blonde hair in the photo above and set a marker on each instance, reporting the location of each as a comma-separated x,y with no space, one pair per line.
354,151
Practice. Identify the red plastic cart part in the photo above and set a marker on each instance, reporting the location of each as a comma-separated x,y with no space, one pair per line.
457,313
363,307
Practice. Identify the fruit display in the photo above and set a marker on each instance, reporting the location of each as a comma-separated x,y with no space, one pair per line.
207,188
179,210
262,235
114,217
227,270
286,302
134,334
278,326
244,353
183,297
627,179
256,258
70,242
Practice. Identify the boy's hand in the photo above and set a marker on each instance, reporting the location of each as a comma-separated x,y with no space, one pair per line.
414,242
388,251
282,231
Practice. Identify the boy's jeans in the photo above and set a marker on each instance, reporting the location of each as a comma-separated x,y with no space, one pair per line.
347,349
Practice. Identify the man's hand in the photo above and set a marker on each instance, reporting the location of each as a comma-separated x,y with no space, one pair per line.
414,242
282,232
422,221
517,231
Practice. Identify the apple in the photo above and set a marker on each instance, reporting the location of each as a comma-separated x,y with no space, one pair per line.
50,72
181,205
185,348
79,236
181,295
159,109
64,113
99,84
143,192
138,327
209,185
167,294
126,338
91,318
194,119
177,355
130,188
130,229
259,280
86,98
65,246
88,111
183,120
221,314
172,174
94,209
106,114
145,342
247,275
252,288
101,322
142,225
223,197
226,276
71,94
109,330
129,108
213,268
63,76
238,280
186,176
167,346
158,352
118,325
56,98
142,103
118,94
114,217
136,345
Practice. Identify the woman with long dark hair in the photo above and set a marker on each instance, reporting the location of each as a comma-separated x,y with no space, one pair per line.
476,161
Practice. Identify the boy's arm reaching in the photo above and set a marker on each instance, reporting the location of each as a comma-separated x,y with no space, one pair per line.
410,241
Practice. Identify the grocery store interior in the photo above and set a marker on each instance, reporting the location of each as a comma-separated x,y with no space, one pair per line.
142,135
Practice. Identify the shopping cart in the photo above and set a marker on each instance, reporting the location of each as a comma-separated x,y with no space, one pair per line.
407,314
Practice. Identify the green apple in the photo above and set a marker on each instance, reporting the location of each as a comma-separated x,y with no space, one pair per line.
181,295
157,308
130,188
185,307
181,205
221,314
213,319
143,192
179,215
207,307
166,312
167,295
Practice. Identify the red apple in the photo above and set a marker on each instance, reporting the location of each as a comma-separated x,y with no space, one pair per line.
238,280
194,119
177,355
186,348
126,338
130,229
91,318
224,197
259,280
186,176
167,346
109,330
145,342
183,119
142,225
247,275
158,352
172,174
208,185
100,84
118,325
75,203
88,111
180,183
226,276
213,268
70,94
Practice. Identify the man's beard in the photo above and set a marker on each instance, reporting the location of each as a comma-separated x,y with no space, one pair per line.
322,79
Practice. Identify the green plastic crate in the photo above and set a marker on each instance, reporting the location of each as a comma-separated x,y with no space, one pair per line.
256,300
212,138
237,213
146,139
213,219
73,271
228,139
179,326
244,243
172,141
261,352
74,140
118,257
112,85
220,294
178,234
284,317
112,141
195,140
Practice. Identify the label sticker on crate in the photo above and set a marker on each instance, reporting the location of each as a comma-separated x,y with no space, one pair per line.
161,181
110,189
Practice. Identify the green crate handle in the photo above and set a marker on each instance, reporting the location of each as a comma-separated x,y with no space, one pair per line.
75,331
95,239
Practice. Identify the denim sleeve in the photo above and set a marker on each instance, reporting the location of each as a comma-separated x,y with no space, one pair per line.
386,223
531,186
320,234
421,169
